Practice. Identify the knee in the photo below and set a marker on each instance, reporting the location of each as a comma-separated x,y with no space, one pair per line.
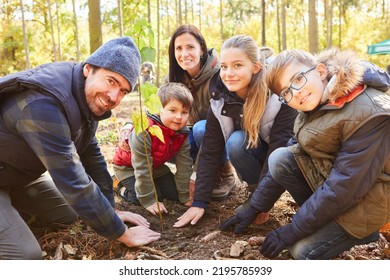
198,131
234,145
278,160
22,251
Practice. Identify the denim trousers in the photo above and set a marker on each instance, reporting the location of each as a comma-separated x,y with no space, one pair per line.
247,162
196,138
330,240
42,207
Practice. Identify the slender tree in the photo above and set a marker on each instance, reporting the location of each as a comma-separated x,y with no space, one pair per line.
76,32
95,25
220,17
284,28
58,31
120,18
313,27
158,44
263,22
52,31
278,24
25,39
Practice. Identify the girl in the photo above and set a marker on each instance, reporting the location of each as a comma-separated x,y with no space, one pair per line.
244,118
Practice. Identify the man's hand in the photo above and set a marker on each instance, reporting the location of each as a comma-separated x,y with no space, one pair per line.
132,218
193,215
241,221
156,209
138,236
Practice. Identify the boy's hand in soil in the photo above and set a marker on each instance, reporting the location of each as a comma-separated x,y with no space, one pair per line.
154,209
138,236
193,215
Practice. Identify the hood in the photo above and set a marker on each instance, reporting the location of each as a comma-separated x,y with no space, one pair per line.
209,68
345,72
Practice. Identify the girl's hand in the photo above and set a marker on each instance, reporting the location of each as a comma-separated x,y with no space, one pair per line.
193,215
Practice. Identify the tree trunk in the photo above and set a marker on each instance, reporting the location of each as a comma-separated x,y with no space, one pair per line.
25,39
158,45
263,23
200,15
120,18
58,31
95,25
52,31
329,25
76,32
284,35
149,13
313,27
220,17
278,25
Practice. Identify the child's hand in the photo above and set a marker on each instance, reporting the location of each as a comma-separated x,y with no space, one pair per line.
154,209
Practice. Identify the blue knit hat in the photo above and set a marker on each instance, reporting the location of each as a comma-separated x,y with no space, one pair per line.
119,55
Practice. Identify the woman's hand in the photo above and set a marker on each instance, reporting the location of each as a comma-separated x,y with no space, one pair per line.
193,215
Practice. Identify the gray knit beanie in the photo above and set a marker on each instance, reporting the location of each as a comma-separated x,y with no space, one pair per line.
119,55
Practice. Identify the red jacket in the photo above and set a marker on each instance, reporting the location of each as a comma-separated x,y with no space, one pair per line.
161,152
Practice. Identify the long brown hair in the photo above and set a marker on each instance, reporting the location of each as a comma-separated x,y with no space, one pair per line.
258,94
176,73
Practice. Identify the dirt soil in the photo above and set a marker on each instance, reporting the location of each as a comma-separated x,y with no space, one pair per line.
203,241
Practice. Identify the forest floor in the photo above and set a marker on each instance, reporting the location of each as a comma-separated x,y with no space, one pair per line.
203,241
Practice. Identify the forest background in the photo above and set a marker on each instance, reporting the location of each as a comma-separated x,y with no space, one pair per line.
33,32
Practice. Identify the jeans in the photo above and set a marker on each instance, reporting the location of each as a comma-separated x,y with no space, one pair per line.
42,206
196,137
330,240
247,162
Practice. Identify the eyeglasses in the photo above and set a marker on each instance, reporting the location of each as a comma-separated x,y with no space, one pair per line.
297,83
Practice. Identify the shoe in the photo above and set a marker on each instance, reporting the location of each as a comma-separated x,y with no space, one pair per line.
227,182
126,194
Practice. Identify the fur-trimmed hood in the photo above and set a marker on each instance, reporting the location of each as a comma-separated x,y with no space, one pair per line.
345,72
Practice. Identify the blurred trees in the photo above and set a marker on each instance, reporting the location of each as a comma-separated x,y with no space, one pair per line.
62,29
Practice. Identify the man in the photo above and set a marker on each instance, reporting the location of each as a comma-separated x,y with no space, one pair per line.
51,168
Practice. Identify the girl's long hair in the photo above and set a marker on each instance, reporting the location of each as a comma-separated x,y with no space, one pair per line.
176,73
258,94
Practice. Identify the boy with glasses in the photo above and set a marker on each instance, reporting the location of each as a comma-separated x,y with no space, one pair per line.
338,171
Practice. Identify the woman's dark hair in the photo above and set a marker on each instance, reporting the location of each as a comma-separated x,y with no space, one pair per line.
176,73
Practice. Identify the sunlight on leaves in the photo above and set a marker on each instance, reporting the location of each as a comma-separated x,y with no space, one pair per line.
140,121
156,131
153,103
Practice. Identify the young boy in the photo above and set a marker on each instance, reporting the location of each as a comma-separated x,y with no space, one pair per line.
338,170
131,167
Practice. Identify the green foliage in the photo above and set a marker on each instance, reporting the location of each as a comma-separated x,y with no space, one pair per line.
144,38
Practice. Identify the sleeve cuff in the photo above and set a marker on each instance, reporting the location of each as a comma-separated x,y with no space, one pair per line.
200,204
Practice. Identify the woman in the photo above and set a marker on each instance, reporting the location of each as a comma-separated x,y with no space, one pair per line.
244,118
193,64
